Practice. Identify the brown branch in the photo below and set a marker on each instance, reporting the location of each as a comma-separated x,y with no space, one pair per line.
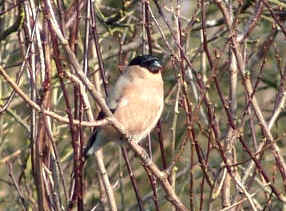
36,107
132,178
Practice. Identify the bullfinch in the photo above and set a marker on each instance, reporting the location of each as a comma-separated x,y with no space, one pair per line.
136,101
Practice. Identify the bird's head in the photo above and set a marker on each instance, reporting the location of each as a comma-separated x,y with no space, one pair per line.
150,62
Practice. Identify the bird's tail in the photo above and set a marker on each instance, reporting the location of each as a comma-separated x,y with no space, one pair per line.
92,145
95,142
89,147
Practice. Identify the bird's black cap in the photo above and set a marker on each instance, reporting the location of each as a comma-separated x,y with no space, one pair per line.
152,63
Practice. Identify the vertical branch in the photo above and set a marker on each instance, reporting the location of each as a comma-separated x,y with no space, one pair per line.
19,191
174,127
226,190
106,182
60,70
143,11
181,80
97,46
132,178
86,36
45,102
161,142
77,158
147,33
80,159
73,39
34,14
146,24
37,133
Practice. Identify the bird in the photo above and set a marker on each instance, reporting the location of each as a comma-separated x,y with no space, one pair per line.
136,101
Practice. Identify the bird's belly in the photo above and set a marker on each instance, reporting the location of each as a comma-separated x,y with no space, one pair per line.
140,122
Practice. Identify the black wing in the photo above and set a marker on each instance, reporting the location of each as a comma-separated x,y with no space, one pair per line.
92,138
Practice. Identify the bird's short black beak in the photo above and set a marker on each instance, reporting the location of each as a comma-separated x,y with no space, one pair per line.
156,64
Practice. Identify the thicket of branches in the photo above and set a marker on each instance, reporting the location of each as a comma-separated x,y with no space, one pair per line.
220,142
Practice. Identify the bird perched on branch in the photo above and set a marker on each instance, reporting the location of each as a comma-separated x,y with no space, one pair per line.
137,102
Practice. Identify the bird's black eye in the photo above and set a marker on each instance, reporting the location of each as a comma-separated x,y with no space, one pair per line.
150,62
